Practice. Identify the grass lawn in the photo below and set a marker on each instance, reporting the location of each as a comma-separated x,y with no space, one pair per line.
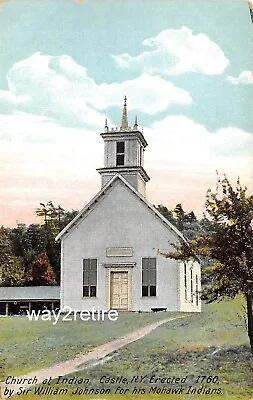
213,343
28,345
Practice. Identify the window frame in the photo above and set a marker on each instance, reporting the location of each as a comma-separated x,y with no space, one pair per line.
197,290
192,293
185,282
149,289
90,280
120,153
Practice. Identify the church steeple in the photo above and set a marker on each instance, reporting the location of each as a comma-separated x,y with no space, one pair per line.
124,153
124,120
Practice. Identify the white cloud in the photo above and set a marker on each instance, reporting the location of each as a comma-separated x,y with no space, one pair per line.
56,87
180,143
245,78
47,147
59,88
27,128
149,94
182,159
42,161
174,52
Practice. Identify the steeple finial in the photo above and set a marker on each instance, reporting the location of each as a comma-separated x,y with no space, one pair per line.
124,121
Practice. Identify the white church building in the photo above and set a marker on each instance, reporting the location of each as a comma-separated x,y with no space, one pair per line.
111,251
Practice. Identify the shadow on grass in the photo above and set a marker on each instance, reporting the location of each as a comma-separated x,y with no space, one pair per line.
212,355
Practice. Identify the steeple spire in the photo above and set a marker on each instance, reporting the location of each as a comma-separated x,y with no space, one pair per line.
124,121
106,126
136,123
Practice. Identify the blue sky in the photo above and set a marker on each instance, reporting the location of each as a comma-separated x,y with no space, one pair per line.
66,65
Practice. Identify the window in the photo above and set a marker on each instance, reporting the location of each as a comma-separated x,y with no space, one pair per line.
89,277
120,153
197,290
149,277
191,286
185,281
141,156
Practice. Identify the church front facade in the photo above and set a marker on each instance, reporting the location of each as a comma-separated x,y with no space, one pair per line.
111,253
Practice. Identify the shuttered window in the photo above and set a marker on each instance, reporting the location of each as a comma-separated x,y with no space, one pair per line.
149,277
89,277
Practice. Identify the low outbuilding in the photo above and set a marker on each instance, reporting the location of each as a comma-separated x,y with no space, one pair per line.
16,300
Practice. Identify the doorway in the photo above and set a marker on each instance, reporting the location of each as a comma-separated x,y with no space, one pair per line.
119,290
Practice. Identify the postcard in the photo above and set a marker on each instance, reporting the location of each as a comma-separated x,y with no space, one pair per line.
126,206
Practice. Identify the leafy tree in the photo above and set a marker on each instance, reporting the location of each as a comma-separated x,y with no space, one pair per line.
166,213
47,211
12,272
34,240
55,219
52,248
67,218
228,246
179,216
16,237
188,224
27,252
190,217
53,216
41,272
27,244
11,267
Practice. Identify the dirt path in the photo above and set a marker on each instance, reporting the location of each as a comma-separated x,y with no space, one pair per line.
71,366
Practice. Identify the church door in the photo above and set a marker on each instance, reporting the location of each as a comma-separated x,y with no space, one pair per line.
119,290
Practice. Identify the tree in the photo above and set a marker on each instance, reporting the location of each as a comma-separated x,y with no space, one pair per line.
166,213
54,220
188,224
30,255
12,272
41,272
190,217
11,267
179,216
52,215
228,246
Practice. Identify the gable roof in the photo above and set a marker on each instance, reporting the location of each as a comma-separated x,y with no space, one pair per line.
99,195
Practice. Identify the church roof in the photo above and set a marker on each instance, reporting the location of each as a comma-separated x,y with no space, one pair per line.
100,194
